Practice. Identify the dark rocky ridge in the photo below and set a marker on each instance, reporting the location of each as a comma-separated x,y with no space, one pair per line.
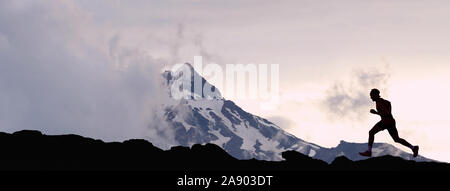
31,150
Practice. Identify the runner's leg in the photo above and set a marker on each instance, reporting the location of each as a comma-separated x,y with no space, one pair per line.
394,134
377,128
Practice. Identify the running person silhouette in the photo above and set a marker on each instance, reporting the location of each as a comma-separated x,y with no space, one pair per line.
384,110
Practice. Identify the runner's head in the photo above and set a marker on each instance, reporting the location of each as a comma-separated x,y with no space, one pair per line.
374,94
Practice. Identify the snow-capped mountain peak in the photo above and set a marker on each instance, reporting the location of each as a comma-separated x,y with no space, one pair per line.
206,117
184,82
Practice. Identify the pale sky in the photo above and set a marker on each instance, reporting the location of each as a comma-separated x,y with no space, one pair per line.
401,46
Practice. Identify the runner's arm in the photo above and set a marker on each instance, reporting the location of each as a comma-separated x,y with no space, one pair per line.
373,111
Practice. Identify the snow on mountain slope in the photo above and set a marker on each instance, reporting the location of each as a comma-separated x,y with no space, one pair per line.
206,117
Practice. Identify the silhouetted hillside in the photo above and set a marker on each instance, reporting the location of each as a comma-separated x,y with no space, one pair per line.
31,150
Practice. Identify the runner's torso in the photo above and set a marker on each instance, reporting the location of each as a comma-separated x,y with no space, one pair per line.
384,108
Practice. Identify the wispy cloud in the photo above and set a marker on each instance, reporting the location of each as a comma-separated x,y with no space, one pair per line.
350,100
60,72
282,122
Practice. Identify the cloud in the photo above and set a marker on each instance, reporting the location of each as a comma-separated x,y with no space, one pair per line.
350,100
282,122
60,73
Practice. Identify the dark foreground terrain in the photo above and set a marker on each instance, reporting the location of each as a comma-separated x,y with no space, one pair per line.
31,150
